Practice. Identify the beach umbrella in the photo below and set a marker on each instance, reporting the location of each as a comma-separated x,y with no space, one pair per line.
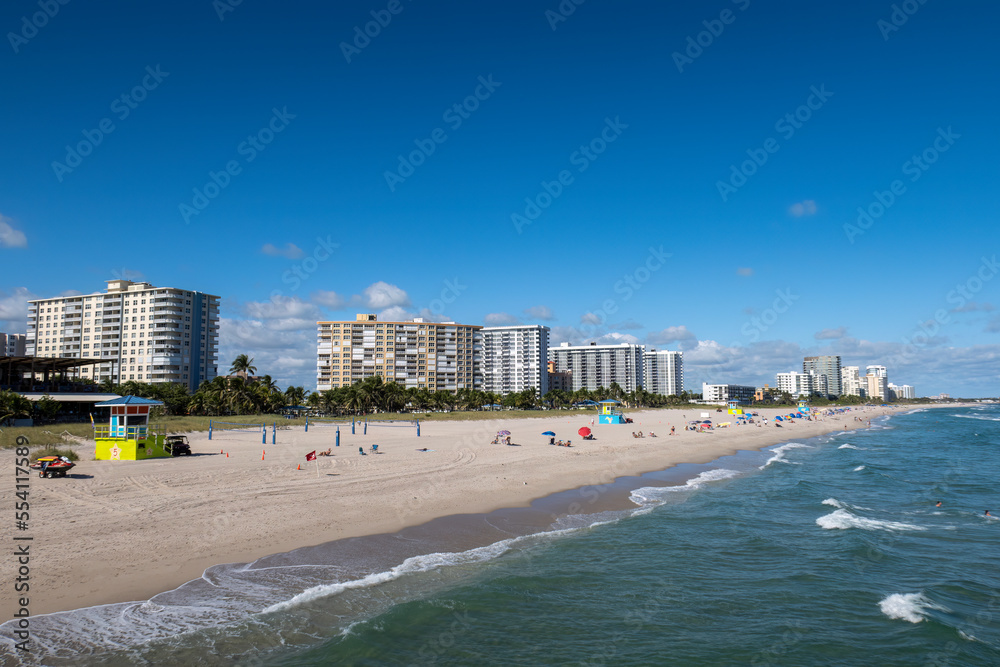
548,433
504,432
584,432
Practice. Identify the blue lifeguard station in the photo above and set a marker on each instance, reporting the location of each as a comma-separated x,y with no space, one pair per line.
610,413
804,407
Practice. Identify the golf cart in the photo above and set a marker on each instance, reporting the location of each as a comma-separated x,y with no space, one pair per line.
175,445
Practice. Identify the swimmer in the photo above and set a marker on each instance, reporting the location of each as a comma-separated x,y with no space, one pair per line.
938,504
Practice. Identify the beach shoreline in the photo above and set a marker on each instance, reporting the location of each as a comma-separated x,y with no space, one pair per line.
126,531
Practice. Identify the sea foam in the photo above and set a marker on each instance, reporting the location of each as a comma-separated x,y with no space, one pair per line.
779,454
656,495
841,519
910,607
859,469
850,446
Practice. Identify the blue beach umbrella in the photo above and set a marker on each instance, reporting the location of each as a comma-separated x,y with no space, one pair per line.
548,433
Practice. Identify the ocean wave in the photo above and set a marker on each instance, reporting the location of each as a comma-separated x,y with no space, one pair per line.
981,417
656,495
779,454
833,502
850,446
859,469
841,519
910,607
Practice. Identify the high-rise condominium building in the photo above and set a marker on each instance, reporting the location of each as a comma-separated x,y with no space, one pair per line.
438,356
851,382
796,384
877,370
717,393
663,372
12,345
829,366
515,358
592,366
138,331
901,391
878,386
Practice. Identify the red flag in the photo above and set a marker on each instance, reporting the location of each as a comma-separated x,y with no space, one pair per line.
311,456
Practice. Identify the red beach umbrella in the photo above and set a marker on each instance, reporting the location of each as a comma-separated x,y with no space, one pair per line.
584,432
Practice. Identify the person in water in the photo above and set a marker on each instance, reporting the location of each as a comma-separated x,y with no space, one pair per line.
938,504
987,513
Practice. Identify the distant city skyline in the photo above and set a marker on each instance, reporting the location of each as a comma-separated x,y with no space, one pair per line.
780,182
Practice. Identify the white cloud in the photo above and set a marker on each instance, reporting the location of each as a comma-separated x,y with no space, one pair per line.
500,319
616,338
14,309
670,335
540,312
799,209
383,295
278,349
831,334
11,237
282,307
590,318
70,292
329,299
972,307
744,271
290,251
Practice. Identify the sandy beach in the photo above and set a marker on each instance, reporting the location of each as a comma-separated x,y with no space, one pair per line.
123,531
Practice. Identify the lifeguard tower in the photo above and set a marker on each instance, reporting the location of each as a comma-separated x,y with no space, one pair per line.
128,435
610,413
804,407
734,407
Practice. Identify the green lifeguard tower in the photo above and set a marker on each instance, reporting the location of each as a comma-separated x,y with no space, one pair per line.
610,413
128,435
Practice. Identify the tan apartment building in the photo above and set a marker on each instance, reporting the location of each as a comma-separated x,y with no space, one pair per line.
438,356
138,331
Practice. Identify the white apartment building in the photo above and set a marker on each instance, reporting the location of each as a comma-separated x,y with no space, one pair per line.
515,358
663,372
138,331
877,370
12,345
592,366
720,393
851,382
796,384
438,356
901,391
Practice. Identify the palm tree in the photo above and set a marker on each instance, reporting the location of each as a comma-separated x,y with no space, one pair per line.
243,366
295,395
13,406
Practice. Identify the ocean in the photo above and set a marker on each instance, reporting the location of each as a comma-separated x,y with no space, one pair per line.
825,551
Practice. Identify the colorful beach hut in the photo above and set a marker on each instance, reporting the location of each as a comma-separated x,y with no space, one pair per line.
610,413
128,435
734,407
804,407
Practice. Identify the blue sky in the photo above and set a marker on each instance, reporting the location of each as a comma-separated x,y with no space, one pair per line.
642,109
